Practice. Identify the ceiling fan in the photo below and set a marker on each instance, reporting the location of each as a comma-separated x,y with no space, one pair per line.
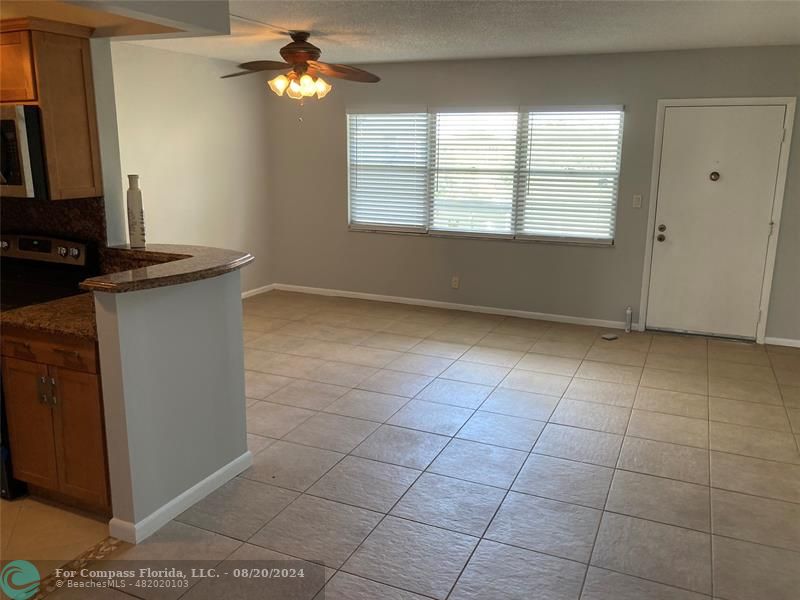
303,79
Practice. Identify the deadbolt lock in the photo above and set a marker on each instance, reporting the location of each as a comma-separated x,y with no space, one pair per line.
662,227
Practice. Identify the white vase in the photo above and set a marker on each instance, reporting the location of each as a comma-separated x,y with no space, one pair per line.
135,213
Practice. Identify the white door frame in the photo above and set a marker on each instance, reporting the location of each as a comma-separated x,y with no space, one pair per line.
777,200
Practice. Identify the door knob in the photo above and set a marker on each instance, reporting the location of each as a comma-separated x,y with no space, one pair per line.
661,237
662,227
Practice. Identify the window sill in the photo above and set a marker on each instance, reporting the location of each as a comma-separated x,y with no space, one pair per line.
597,243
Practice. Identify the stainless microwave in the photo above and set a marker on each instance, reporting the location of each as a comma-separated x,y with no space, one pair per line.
22,166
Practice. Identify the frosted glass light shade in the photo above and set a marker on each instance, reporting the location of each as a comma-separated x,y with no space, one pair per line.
279,84
294,91
307,85
322,88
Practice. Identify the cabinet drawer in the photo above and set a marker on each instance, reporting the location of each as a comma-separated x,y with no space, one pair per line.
77,356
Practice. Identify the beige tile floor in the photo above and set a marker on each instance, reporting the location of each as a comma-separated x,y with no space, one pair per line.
426,453
46,534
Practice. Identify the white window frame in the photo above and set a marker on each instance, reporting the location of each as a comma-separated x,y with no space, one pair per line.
520,174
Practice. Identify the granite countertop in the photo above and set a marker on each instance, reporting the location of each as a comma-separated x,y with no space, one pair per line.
164,264
73,316
127,270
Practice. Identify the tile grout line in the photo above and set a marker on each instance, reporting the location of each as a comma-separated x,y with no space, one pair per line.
710,504
785,408
627,470
507,491
386,367
267,399
611,483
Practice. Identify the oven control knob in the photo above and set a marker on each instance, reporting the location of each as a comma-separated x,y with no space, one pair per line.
62,251
74,252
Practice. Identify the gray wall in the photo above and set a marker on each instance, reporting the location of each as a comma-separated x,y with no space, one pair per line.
200,146
308,181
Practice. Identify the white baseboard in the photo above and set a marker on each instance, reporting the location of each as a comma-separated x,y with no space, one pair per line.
507,312
258,290
776,341
141,530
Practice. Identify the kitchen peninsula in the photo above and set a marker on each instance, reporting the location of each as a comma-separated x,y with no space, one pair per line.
167,321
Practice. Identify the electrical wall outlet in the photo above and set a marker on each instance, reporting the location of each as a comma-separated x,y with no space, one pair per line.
455,282
637,201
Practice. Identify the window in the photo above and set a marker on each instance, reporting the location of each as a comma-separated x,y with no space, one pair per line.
473,172
389,170
571,175
527,175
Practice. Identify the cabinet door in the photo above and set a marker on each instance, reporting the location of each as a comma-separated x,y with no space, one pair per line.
80,442
16,76
30,423
66,98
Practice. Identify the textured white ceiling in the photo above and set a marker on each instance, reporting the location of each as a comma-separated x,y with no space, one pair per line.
405,30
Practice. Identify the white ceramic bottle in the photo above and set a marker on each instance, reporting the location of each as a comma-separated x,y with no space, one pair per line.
135,213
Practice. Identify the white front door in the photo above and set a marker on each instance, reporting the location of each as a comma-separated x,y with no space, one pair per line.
719,167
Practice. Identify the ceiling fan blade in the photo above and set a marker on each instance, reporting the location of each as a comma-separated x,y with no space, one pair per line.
256,66
238,74
343,72
264,65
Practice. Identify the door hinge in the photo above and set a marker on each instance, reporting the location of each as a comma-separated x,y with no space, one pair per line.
771,227
53,399
42,390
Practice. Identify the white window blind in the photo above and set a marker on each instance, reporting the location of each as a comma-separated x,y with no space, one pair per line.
389,170
473,188
533,175
571,175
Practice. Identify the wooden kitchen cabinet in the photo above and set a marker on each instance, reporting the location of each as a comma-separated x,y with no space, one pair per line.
48,64
30,423
16,75
79,442
55,417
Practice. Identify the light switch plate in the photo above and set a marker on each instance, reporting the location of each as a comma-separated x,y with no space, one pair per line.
637,201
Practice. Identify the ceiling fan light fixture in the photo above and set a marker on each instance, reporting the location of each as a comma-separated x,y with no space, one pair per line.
301,87
279,84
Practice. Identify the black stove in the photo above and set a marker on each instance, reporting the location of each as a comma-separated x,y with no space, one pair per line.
36,269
